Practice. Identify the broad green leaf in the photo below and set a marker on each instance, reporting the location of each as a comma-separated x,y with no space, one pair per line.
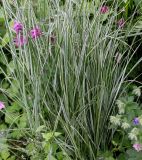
13,108
40,128
11,118
50,135
2,22
3,59
10,67
22,121
60,156
5,39
3,144
14,89
5,154
54,147
50,157
11,158
5,85
46,146
122,156
138,3
3,127
30,147
4,99
16,134
134,154
109,158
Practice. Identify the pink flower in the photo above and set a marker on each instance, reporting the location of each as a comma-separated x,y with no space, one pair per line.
35,32
137,147
17,27
104,9
121,23
2,105
20,41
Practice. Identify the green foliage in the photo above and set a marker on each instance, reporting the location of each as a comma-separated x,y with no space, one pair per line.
105,156
2,23
62,94
125,137
4,36
46,148
49,136
5,154
134,155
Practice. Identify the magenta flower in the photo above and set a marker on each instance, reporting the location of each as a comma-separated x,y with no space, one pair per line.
2,105
20,41
35,32
137,147
17,27
121,23
104,9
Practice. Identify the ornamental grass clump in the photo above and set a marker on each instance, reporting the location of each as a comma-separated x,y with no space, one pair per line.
69,83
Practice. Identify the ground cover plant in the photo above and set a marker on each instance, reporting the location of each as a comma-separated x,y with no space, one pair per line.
127,121
69,62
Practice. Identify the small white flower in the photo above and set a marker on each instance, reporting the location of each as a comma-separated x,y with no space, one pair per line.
120,103
121,106
135,131
125,125
137,92
115,120
132,136
121,111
